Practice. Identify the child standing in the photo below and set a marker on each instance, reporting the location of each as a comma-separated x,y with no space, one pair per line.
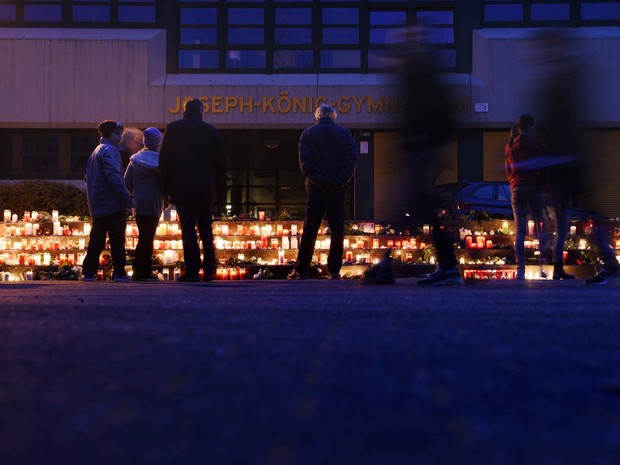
142,179
108,202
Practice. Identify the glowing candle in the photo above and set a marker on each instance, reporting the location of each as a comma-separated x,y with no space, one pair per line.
573,230
54,215
530,227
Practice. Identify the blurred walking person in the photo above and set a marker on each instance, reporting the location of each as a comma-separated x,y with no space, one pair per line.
427,126
193,163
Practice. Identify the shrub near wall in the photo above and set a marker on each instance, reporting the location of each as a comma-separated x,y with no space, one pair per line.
43,196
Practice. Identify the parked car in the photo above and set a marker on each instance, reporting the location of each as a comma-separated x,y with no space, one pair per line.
490,197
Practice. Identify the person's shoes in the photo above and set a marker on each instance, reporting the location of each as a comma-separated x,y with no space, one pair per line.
520,273
188,278
335,276
603,273
442,278
563,275
598,279
207,278
294,275
89,278
121,278
381,273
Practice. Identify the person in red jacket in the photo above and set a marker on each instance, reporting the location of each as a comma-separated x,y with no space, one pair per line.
521,166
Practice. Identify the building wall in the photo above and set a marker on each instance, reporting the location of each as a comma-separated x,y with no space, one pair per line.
74,78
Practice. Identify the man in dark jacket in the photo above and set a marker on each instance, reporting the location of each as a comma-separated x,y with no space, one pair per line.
192,163
327,158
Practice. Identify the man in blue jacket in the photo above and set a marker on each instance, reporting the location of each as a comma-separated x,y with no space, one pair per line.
327,158
108,201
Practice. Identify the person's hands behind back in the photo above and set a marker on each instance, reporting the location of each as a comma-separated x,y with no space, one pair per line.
329,187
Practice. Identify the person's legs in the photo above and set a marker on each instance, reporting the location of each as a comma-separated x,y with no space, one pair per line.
315,208
96,243
191,250
335,219
203,217
116,224
519,209
559,206
147,227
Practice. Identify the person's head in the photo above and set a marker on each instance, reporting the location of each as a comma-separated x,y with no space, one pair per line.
131,141
152,139
111,130
325,111
524,124
194,106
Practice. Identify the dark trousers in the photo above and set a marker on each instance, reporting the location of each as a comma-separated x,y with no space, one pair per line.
319,204
192,215
114,227
143,259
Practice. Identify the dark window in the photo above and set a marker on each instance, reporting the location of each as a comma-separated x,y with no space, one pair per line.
207,36
503,193
340,16
40,155
485,192
292,59
293,36
293,16
551,12
195,59
92,13
249,16
600,11
511,12
42,12
136,14
340,58
198,15
81,148
341,35
245,59
237,35
7,13
6,155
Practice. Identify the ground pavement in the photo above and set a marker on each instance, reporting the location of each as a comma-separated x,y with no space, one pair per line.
315,372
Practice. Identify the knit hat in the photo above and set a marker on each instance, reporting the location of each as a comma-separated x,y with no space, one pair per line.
107,127
195,104
152,138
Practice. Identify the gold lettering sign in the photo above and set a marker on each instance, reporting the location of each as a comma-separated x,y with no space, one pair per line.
283,103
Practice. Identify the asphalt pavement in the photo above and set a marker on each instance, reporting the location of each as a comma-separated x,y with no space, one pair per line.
273,372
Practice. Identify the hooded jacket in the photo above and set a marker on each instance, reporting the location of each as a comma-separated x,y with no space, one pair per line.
327,151
105,187
142,179
192,160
